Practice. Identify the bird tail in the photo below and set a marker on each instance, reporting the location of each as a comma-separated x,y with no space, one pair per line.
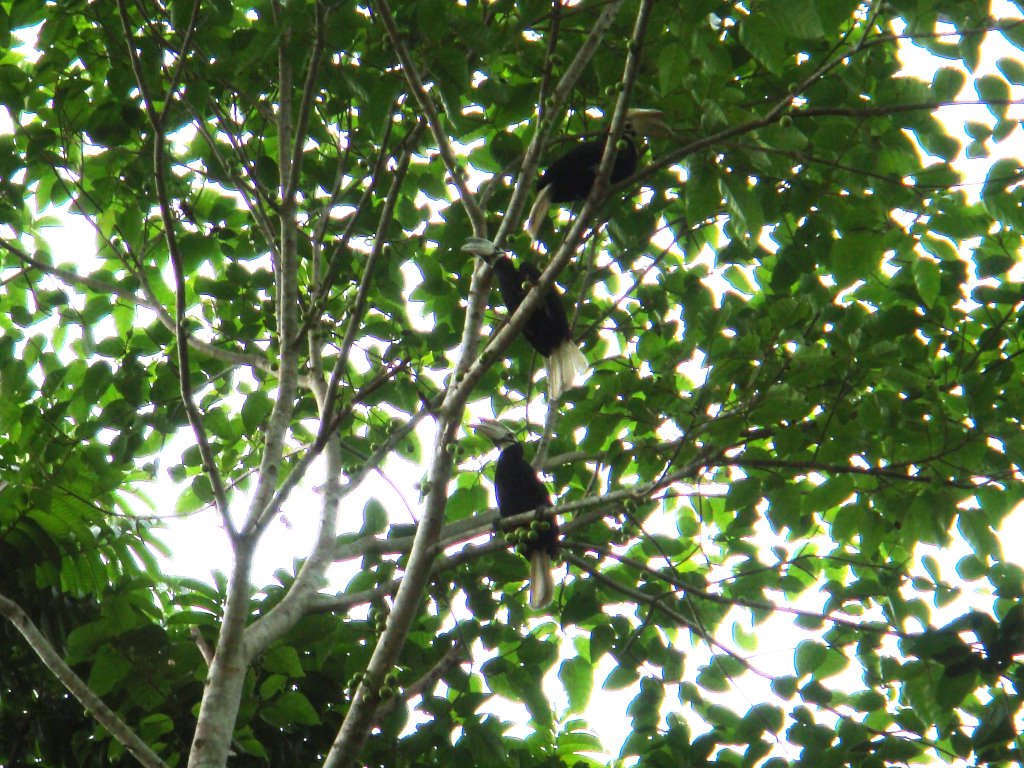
564,362
542,581
539,212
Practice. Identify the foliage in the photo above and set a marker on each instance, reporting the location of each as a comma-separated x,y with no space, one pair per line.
806,385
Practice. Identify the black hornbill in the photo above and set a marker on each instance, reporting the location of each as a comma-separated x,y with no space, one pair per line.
547,329
572,175
517,489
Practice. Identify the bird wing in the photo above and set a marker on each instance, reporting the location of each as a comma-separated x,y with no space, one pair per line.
510,283
552,308
535,490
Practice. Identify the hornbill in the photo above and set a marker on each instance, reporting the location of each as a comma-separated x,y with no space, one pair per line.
517,489
572,175
547,329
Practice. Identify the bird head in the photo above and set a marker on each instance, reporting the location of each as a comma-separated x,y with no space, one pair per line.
496,432
483,248
648,122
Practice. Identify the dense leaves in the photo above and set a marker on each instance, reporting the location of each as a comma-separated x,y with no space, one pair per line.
800,428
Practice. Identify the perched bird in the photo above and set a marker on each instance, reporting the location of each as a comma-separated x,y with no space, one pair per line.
572,175
547,329
517,489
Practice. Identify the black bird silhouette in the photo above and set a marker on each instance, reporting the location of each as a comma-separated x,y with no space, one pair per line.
517,489
547,328
571,176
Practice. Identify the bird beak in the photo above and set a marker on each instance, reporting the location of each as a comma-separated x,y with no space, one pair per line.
494,430
481,247
650,122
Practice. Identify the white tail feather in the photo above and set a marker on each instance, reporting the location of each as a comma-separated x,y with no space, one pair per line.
539,212
542,581
564,363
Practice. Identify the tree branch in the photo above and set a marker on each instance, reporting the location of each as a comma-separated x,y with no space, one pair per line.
536,295
374,461
354,729
467,554
290,184
780,108
252,193
842,469
759,605
480,282
181,332
658,602
77,687
452,657
355,315
323,287
455,171
556,104
288,307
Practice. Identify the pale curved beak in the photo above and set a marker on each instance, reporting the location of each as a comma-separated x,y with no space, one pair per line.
650,122
494,430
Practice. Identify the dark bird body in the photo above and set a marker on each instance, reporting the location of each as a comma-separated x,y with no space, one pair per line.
571,177
547,328
518,489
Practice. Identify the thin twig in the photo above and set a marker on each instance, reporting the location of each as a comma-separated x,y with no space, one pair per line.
759,605
658,602
291,183
299,470
324,286
455,655
170,233
455,171
359,307
253,193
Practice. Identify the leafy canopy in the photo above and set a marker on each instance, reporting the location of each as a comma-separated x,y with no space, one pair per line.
806,388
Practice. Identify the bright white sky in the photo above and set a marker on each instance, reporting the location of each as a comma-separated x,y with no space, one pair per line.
199,546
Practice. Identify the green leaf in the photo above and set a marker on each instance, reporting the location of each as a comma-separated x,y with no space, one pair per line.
835,14
809,656
283,659
375,519
831,493
855,257
761,34
109,669
289,709
927,277
797,18
577,677
947,83
619,678
995,92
